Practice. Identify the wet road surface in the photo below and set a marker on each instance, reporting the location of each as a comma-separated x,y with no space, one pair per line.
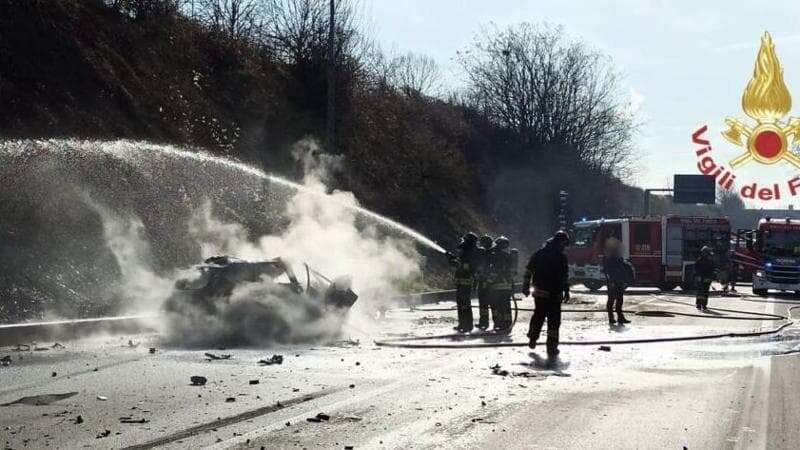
725,393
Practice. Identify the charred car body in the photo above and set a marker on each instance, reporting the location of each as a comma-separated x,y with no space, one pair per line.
218,276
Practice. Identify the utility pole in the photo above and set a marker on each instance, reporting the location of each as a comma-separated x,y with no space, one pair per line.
330,135
563,196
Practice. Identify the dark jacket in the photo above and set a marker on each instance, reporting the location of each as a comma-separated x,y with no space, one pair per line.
466,264
704,268
550,269
500,270
617,270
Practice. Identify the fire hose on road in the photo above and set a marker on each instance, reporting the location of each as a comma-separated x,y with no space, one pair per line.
413,341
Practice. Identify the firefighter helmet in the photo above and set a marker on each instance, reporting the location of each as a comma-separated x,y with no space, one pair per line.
502,243
706,251
561,237
486,241
469,239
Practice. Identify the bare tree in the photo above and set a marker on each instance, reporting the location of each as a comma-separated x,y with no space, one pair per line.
238,19
146,9
410,73
553,93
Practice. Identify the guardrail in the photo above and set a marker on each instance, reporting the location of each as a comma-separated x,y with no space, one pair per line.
58,330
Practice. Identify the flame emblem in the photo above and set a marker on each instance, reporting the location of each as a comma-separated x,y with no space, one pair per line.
766,99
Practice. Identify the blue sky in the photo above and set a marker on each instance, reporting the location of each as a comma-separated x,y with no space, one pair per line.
686,63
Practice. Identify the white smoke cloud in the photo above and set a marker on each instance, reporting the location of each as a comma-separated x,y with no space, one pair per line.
322,232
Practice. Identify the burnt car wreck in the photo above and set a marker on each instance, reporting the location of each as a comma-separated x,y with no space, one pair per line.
219,276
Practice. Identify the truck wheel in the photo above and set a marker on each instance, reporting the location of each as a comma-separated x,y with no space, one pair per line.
593,285
760,292
666,287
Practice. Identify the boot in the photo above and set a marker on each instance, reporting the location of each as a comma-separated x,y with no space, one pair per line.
611,321
552,344
621,319
532,338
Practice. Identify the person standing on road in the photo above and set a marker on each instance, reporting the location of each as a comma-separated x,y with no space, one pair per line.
466,262
733,275
703,276
548,271
485,244
501,280
618,276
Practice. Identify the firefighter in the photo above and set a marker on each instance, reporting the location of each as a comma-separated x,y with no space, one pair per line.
466,262
501,279
617,272
733,275
548,271
485,244
703,276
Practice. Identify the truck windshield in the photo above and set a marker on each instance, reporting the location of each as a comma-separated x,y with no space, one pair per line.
782,243
584,236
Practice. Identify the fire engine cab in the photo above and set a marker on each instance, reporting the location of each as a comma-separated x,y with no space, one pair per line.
662,250
778,244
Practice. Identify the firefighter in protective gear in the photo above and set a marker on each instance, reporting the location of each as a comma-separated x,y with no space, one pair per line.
703,276
618,276
465,261
500,281
485,244
548,271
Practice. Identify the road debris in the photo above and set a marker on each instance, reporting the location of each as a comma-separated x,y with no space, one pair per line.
102,398
41,400
604,348
319,418
345,343
198,380
254,381
57,345
132,344
5,360
230,399
129,419
275,359
21,349
152,350
54,374
497,370
213,357
78,420
103,434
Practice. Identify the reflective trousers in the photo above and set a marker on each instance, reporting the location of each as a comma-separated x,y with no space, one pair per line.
701,298
501,308
484,303
464,307
615,298
547,308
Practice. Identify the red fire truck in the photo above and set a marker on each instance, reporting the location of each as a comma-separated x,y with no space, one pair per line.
662,250
776,255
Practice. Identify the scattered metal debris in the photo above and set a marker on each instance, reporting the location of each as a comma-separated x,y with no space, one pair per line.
197,380
41,400
57,345
275,359
132,344
213,357
152,350
497,370
254,381
128,419
230,399
345,343
78,420
319,418
604,348
103,434
102,398
5,360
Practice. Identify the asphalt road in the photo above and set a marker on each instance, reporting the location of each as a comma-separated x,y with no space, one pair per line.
726,393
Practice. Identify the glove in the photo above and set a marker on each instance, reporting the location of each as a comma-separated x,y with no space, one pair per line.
566,296
526,289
